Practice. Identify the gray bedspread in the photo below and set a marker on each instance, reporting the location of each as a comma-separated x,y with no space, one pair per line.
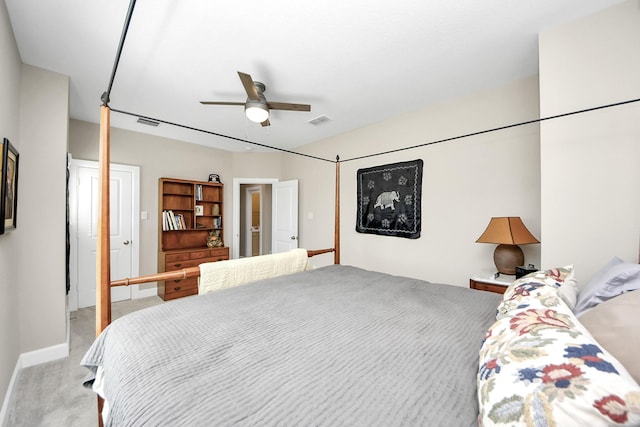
334,346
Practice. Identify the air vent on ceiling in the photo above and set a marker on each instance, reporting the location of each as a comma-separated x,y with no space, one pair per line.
147,122
319,120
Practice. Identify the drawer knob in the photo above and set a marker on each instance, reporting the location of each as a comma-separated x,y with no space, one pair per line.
177,288
178,265
178,280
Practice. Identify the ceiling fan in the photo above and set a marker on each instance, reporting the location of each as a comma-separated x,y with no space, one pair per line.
257,107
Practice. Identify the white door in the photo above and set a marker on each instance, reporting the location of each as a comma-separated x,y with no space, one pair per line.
121,230
285,216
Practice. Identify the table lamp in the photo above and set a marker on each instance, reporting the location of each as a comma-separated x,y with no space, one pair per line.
507,232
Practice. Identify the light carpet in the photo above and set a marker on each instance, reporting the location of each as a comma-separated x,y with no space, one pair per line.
51,394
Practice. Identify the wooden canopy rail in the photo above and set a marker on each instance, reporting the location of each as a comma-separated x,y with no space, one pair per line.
103,259
185,273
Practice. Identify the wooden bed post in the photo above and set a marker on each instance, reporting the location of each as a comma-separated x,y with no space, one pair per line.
103,274
336,232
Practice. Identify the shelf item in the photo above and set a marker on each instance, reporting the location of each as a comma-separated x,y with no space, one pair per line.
188,212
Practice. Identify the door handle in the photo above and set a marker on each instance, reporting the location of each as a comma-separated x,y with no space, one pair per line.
293,237
126,242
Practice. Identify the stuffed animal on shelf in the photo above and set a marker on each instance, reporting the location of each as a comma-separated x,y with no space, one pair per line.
214,240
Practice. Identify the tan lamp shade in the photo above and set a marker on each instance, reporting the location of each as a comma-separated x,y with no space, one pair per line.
507,232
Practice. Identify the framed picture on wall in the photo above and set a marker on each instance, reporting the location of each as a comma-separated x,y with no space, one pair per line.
9,186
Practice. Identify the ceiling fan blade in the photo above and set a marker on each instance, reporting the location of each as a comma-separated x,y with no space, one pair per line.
265,123
287,106
220,103
249,87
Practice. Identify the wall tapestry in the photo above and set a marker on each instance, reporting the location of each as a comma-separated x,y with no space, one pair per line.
389,199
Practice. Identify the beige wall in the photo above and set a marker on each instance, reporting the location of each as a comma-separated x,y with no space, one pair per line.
32,257
590,174
465,183
42,208
256,165
9,125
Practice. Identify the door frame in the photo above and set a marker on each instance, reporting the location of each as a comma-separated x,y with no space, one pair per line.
74,164
235,238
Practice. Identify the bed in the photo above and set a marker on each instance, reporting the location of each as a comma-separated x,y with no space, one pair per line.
336,345
339,345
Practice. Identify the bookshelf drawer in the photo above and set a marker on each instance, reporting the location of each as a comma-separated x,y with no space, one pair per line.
180,288
178,265
219,254
176,257
199,254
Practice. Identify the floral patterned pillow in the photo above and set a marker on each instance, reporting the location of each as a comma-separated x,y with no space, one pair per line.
540,367
540,284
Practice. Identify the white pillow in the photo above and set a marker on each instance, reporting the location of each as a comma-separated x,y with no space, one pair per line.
615,278
568,291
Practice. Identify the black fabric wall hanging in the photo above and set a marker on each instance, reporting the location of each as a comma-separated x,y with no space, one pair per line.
389,199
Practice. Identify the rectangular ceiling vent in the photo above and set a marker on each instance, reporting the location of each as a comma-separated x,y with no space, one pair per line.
147,122
319,120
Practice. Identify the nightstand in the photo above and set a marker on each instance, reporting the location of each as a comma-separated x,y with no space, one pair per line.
486,282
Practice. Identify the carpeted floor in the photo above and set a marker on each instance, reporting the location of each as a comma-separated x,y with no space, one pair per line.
52,394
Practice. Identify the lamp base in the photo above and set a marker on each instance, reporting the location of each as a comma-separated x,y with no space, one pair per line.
507,257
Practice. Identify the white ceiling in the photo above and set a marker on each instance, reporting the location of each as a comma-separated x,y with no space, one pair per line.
356,61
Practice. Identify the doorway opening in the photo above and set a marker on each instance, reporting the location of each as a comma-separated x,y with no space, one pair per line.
278,216
241,212
255,220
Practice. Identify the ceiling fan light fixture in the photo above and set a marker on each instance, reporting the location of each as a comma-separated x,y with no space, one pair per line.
256,111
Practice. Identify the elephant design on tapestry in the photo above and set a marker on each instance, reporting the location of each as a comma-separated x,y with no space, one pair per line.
385,200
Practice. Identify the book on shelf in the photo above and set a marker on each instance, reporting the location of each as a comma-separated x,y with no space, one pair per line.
198,191
168,222
165,223
180,224
173,221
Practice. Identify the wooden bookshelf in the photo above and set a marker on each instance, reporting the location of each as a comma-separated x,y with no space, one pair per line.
188,212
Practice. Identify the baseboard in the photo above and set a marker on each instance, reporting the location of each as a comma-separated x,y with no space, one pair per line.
136,292
44,355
